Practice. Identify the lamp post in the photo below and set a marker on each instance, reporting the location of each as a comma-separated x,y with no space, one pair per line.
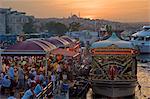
0,60
46,63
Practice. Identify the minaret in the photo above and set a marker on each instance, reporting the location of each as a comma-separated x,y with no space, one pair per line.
79,14
71,14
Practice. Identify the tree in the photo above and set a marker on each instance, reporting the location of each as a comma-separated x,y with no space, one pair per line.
74,26
56,28
29,27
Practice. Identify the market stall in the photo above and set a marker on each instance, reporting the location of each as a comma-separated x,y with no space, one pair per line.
40,50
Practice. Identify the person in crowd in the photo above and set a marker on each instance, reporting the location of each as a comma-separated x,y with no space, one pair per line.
29,94
37,78
59,68
41,76
55,65
31,73
11,72
3,67
53,79
41,69
1,77
45,82
5,84
21,77
11,95
34,72
50,69
65,78
30,81
30,60
38,88
15,75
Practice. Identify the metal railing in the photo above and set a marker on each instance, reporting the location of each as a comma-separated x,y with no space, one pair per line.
46,91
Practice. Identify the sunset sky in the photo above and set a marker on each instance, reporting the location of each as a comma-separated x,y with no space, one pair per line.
117,10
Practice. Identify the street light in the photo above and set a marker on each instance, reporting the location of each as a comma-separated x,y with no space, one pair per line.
46,63
0,60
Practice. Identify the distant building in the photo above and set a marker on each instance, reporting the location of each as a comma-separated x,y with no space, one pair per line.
86,37
3,20
11,22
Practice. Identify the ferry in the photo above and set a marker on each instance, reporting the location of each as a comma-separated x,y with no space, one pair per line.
141,39
114,68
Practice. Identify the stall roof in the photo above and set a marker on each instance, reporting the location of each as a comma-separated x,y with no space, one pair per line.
65,52
30,47
25,45
38,46
70,40
50,45
23,53
65,42
55,42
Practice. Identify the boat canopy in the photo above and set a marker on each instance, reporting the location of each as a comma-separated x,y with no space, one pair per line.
143,33
146,27
113,40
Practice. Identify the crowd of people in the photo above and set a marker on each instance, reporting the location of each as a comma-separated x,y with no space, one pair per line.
30,75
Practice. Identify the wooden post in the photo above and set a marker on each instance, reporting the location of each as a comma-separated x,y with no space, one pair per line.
46,63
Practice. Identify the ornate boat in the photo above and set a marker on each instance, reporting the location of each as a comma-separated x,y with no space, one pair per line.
114,67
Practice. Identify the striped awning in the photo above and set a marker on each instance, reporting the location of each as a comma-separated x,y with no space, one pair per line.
62,40
43,46
31,45
70,40
38,45
50,45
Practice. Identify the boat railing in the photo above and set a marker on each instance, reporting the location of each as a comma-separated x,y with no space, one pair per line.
45,91
85,83
83,92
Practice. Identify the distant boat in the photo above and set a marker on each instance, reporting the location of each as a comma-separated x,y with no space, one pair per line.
141,39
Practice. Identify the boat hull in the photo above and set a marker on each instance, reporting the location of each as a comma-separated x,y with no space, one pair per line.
144,49
114,88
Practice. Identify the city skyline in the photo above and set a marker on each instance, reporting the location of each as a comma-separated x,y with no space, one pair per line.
116,10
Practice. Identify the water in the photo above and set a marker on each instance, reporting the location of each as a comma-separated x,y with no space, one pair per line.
144,80
144,57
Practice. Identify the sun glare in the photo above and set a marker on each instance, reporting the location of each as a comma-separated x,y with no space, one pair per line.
88,17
